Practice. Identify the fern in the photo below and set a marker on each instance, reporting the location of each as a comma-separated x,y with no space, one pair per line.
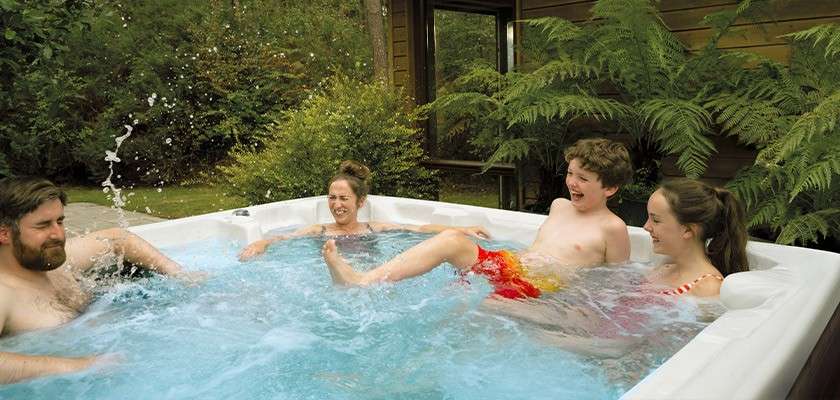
752,121
509,151
809,227
822,120
559,70
566,106
557,29
829,34
681,128
815,167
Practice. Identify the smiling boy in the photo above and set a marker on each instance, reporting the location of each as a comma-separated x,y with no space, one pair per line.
578,232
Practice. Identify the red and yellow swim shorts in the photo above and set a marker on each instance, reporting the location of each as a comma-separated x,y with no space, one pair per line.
509,277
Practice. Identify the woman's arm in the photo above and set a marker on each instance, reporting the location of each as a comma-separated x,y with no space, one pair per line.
258,247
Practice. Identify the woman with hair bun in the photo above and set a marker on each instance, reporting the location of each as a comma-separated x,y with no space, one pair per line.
347,192
702,230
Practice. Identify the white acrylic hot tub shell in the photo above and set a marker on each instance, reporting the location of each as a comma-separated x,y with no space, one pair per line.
776,312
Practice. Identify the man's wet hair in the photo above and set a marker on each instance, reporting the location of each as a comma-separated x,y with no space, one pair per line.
22,195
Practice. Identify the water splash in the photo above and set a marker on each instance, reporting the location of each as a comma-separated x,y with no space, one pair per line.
118,198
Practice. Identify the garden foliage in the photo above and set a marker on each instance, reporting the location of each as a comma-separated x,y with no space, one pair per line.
676,100
347,120
194,78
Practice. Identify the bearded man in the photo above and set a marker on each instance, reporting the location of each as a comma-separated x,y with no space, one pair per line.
39,271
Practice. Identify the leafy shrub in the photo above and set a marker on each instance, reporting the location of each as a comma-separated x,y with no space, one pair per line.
348,120
83,70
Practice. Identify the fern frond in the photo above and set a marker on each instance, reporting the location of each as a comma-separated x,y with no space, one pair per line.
750,185
768,212
822,119
635,46
557,29
544,76
752,121
552,106
509,151
818,175
680,127
807,228
484,79
462,104
828,33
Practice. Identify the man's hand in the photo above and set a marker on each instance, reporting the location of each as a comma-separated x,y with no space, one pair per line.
192,278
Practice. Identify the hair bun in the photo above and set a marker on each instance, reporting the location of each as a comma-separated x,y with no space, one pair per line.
354,168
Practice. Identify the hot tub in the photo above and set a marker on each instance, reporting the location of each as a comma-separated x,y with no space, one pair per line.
756,349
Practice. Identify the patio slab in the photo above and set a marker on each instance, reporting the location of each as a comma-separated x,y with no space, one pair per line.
81,218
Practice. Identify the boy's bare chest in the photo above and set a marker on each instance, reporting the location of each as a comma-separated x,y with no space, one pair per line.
573,244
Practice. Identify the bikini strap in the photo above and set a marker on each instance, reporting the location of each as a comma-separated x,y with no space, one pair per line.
323,230
686,287
370,229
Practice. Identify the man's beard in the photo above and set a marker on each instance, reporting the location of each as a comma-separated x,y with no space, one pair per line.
50,256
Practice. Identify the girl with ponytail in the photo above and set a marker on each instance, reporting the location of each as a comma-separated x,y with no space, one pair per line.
703,232
347,191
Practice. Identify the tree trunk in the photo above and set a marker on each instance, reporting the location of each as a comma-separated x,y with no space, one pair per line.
373,16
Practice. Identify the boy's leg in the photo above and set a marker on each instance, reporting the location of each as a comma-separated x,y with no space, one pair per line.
448,246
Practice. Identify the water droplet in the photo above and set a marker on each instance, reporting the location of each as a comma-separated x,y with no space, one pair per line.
168,140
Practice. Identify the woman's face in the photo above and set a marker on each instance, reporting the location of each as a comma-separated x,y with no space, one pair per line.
669,236
344,204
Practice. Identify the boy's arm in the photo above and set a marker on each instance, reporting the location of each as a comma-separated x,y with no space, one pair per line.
84,251
617,241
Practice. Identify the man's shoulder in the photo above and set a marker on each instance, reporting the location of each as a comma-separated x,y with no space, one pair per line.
7,296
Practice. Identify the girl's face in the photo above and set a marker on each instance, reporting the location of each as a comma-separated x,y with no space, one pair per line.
669,236
344,204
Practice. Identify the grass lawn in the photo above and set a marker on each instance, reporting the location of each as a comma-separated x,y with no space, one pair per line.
169,202
183,201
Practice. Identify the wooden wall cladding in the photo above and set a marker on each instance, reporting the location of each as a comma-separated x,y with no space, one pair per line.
400,58
684,17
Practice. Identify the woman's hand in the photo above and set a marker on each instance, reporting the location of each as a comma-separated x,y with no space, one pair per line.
254,249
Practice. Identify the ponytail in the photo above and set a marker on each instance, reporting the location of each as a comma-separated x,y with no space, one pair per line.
727,248
720,217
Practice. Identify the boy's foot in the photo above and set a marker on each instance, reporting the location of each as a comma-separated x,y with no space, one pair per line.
341,272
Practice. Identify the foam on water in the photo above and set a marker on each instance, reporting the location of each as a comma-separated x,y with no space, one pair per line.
277,328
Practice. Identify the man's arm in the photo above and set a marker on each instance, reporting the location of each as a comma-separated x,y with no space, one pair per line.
84,251
19,367
617,241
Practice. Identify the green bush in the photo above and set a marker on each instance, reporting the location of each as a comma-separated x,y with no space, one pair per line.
348,120
199,77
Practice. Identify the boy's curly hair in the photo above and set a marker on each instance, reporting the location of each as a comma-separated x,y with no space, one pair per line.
609,159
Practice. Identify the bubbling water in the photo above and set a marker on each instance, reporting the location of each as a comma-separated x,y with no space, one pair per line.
276,327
